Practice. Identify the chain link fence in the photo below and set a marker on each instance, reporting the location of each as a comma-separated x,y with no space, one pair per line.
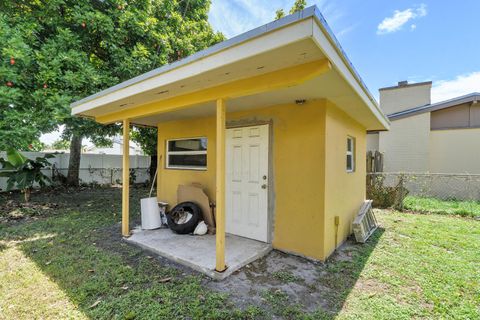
103,176
93,176
95,169
434,185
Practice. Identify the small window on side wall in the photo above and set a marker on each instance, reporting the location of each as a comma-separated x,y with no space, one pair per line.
350,154
188,154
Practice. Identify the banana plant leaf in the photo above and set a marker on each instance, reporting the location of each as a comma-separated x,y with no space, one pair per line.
22,172
15,158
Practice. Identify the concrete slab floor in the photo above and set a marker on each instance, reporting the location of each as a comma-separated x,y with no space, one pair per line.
198,252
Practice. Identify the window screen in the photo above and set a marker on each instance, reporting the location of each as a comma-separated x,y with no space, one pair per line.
187,154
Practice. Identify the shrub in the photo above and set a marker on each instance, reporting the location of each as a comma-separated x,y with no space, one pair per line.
386,196
23,173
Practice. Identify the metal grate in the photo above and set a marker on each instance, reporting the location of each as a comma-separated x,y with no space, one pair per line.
365,223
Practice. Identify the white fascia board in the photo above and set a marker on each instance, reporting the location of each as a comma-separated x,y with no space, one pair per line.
337,57
255,46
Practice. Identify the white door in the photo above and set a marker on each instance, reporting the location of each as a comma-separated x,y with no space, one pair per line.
247,182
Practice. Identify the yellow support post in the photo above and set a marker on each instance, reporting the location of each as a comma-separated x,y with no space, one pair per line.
220,187
126,178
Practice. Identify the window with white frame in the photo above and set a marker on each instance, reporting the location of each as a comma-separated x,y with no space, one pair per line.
350,154
188,153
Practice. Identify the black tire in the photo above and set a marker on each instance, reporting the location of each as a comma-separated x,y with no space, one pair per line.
190,225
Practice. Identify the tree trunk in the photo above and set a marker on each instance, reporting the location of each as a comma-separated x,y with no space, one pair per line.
74,163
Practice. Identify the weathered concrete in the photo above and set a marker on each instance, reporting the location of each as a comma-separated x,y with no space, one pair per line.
198,252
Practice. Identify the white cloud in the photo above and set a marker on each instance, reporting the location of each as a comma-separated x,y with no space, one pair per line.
461,85
400,18
237,16
422,10
340,34
413,27
234,17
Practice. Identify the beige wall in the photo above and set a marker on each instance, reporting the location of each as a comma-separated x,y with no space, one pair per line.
344,191
455,151
460,116
402,98
406,145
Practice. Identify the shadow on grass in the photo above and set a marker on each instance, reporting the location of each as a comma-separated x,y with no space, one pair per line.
107,278
344,268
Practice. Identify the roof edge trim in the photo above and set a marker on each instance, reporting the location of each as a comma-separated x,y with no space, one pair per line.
471,97
409,85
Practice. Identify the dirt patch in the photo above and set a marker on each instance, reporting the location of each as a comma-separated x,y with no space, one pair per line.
371,286
13,210
298,281
276,282
60,200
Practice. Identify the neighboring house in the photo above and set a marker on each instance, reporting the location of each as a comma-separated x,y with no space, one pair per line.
116,148
442,137
272,123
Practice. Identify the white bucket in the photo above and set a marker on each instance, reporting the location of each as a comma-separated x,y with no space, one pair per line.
150,213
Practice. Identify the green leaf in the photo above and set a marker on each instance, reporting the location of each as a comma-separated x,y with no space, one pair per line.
6,174
21,180
6,165
15,157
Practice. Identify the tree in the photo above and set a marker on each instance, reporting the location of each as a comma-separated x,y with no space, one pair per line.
65,50
22,114
279,14
60,144
299,5
147,139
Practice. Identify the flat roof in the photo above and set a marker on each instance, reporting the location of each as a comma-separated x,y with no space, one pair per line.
210,59
311,11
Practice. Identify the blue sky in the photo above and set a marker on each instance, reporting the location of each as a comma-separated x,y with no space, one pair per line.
387,41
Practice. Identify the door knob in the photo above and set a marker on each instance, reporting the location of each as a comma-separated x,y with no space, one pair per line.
264,186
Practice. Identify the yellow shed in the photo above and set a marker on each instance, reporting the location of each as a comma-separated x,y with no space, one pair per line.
271,122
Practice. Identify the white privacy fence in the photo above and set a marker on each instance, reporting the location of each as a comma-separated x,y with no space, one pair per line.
94,168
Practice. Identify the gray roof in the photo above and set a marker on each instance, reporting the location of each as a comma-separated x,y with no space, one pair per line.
475,96
312,11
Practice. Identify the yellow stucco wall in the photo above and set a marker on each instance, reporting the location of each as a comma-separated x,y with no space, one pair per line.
169,179
297,143
344,191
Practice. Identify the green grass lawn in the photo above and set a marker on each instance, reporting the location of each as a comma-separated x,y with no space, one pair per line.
451,207
67,261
